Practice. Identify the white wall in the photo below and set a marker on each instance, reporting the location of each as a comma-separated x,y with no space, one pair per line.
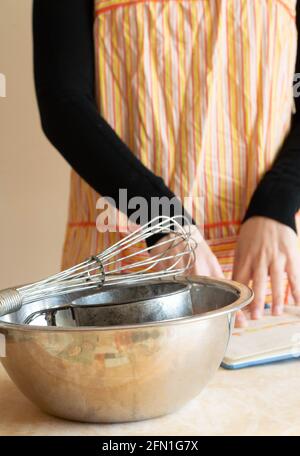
34,179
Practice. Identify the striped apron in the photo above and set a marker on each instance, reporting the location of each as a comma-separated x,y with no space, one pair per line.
201,92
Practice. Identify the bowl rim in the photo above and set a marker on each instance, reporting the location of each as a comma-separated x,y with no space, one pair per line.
245,297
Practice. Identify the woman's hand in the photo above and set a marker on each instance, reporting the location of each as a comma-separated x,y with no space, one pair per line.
205,264
266,247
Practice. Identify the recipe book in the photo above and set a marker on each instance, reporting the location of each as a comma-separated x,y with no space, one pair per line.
265,341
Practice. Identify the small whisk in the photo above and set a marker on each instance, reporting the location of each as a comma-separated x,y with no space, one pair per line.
114,266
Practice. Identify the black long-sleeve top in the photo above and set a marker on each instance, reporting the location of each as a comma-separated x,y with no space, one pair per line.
65,84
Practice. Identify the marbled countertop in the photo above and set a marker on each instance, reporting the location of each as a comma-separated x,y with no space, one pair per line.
256,401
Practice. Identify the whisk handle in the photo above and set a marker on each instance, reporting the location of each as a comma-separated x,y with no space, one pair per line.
10,301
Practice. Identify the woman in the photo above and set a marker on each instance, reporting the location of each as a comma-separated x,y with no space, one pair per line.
191,98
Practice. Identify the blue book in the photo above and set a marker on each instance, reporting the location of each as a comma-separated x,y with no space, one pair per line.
269,340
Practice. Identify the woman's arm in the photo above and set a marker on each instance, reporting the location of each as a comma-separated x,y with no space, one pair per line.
269,227
64,79
278,194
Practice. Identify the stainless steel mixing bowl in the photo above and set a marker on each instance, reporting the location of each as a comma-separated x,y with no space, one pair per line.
125,372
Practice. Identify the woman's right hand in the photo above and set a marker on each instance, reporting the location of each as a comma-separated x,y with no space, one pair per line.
205,261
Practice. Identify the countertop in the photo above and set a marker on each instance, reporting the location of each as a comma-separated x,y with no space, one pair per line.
261,400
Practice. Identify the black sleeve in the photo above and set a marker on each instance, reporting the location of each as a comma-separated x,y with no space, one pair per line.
64,79
278,194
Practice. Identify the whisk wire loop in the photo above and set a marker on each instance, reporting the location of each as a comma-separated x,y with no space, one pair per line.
127,261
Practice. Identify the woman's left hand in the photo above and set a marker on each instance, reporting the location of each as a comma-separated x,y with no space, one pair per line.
267,248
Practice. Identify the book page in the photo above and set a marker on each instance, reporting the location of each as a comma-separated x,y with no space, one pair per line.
267,336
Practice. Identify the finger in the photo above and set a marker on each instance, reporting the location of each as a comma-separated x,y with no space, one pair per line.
259,286
241,269
277,284
242,275
241,320
293,272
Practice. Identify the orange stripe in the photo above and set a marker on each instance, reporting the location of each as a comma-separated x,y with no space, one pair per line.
82,224
224,223
112,70
269,63
220,147
254,148
259,104
225,260
223,252
270,113
134,2
97,58
287,9
244,116
206,82
185,99
128,65
222,248
138,83
156,143
130,3
164,71
230,68
190,18
208,225
179,104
